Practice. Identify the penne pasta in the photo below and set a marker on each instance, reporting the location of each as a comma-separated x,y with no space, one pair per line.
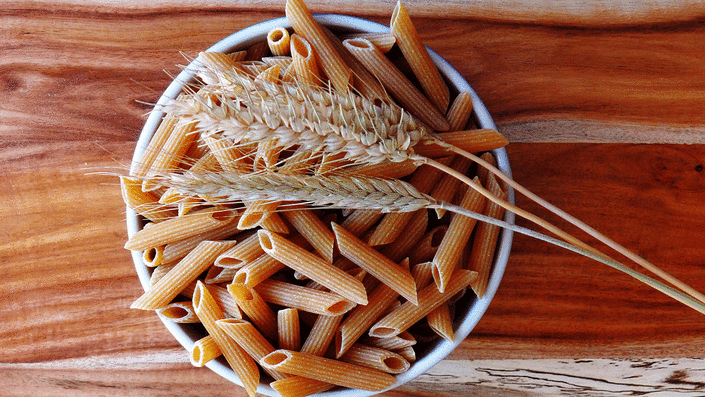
258,270
384,169
383,41
459,112
299,386
305,62
408,238
144,203
179,312
456,238
397,342
390,228
177,144
225,301
441,323
428,244
245,251
408,353
313,230
217,275
313,266
278,41
154,147
185,272
447,186
256,309
403,90
376,264
153,257
359,221
374,357
429,299
332,62
204,350
208,312
246,335
289,329
472,141
302,298
257,51
178,249
321,335
408,40
327,370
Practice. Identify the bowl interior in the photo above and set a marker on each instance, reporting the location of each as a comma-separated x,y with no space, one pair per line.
469,310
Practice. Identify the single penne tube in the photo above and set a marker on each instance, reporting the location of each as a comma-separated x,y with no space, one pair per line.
256,309
250,339
360,220
218,275
460,111
299,386
179,312
482,254
428,245
472,141
144,203
282,61
177,250
408,238
313,266
302,298
185,272
384,41
425,178
219,61
447,186
332,62
429,298
403,90
208,312
154,147
305,62
230,157
418,58
278,41
456,238
160,271
377,358
423,274
204,350
327,370
384,169
267,153
225,301
321,336
179,228
376,264
258,270
390,228
153,257
274,223
172,152
397,342
256,212
408,353
289,329
245,251
310,226
440,321
257,51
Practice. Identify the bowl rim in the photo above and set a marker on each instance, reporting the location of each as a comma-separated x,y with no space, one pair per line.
255,33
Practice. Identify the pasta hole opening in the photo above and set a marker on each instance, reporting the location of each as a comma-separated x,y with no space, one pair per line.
338,340
175,312
359,43
395,363
437,237
377,102
241,292
251,220
150,255
276,35
197,354
197,295
300,47
265,241
222,215
383,332
240,278
226,262
275,358
340,307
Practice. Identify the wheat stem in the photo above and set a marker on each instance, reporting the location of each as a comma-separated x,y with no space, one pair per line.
586,228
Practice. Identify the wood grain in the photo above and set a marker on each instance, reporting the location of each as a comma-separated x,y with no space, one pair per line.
602,102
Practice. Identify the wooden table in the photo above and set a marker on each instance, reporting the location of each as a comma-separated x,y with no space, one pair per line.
604,106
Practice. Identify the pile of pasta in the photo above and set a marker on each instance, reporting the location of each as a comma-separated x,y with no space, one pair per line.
319,298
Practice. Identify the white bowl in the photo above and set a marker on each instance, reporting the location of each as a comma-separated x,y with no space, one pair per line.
472,309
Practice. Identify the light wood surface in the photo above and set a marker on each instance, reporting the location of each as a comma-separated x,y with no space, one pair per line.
604,105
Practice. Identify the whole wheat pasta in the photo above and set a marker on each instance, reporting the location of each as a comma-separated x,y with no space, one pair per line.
440,321
208,312
321,336
219,61
332,162
485,241
144,203
278,41
229,157
186,271
153,257
376,264
188,205
204,350
225,301
250,339
327,370
384,41
289,329
359,221
456,238
171,153
299,386
375,357
257,270
472,141
267,155
408,40
246,250
390,228
429,299
179,312
257,51
177,250
282,61
397,342
256,212
154,147
408,96
307,223
218,275
305,61
408,353
179,228
385,169
333,64
313,267
423,274
256,309
447,186
271,74
302,298
238,56
160,271
409,237
254,67
460,111
274,223
428,244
